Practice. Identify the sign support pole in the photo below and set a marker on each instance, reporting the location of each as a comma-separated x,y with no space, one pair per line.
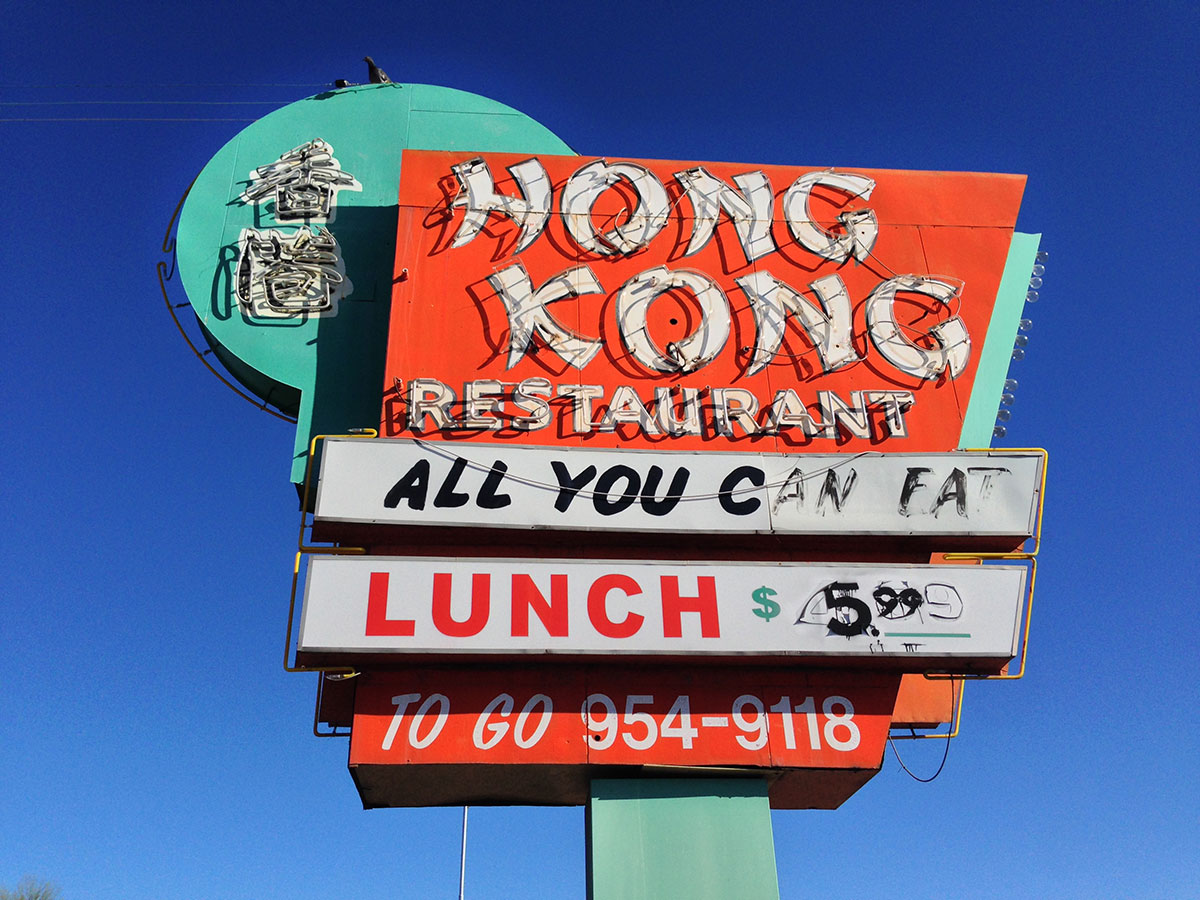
694,838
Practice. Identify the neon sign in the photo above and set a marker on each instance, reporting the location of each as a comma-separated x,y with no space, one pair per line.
587,297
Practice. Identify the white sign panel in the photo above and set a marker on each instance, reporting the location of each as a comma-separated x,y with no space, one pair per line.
360,605
402,482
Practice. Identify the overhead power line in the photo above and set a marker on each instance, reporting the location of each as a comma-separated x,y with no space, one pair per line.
32,105
137,102
16,85
122,119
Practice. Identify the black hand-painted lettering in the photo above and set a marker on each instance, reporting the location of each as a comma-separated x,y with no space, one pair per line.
568,487
893,605
650,502
886,601
954,488
488,498
793,489
413,486
755,476
447,497
830,490
912,481
985,487
601,498
839,596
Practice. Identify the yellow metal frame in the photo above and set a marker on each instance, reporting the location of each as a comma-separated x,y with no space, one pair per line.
940,676
1037,525
955,719
316,729
956,716
1031,557
1024,556
302,549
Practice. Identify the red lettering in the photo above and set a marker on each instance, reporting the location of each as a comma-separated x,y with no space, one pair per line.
481,595
598,610
378,624
673,607
552,614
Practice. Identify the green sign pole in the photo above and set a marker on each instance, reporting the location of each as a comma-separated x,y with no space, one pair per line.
686,838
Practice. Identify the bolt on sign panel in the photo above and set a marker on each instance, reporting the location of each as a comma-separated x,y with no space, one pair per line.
404,482
530,727
683,305
358,609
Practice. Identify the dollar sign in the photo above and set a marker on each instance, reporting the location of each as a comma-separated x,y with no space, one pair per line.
770,609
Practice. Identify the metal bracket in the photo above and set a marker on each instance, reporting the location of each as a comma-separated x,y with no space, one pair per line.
305,548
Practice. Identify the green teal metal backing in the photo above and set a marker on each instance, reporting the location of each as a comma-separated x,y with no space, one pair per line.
685,838
329,371
998,345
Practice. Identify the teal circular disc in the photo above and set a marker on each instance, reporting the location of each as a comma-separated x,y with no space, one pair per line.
287,240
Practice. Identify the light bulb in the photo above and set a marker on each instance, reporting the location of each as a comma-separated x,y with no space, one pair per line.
1007,399
1035,282
1004,415
1010,384
1018,354
1026,324
1043,255
1022,340
999,431
1031,296
1039,269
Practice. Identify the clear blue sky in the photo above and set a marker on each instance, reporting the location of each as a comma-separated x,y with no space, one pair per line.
151,746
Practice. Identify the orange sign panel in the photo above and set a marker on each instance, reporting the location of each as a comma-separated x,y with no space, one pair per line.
691,306
768,717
